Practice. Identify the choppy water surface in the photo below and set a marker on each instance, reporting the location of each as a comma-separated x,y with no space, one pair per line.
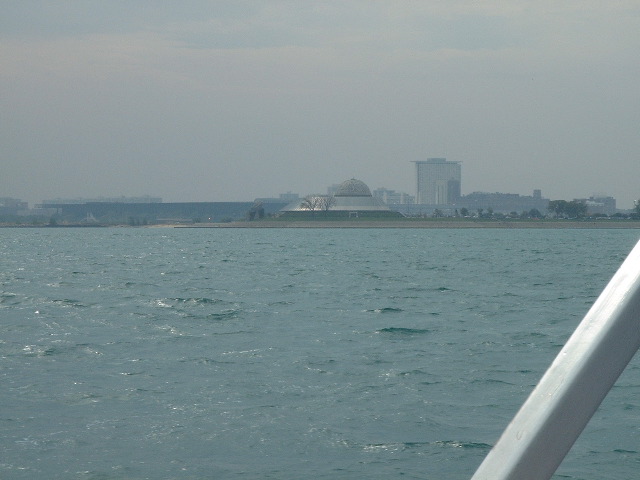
288,354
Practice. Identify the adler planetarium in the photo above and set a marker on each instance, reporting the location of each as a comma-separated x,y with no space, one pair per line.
352,199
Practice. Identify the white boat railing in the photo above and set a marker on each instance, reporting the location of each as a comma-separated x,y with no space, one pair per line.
540,435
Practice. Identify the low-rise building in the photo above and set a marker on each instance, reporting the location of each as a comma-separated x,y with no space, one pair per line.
391,197
12,206
504,202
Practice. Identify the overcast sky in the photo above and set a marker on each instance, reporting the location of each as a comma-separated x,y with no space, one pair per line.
231,100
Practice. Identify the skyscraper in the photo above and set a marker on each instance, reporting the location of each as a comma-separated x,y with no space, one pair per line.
437,181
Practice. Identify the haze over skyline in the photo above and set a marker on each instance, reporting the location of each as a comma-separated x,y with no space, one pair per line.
232,100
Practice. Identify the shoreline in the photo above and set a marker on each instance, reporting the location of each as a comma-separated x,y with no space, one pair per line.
373,224
437,224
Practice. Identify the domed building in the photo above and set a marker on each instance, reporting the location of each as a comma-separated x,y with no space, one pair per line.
353,188
352,199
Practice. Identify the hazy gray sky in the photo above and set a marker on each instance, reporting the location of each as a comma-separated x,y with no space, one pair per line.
231,100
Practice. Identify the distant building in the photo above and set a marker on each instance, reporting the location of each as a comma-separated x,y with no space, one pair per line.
289,197
282,198
332,189
391,197
599,205
72,201
438,182
152,213
12,206
504,202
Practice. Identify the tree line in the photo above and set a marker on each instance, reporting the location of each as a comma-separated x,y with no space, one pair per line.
571,209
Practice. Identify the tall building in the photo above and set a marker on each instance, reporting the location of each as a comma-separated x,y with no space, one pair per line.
437,181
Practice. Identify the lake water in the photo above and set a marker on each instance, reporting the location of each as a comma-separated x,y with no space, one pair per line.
160,353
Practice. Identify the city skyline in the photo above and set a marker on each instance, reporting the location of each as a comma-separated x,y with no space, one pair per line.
388,196
146,198
437,183
195,100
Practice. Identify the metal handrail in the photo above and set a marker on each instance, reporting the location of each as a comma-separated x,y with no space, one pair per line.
541,434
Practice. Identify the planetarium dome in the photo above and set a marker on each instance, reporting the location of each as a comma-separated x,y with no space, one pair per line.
352,198
353,188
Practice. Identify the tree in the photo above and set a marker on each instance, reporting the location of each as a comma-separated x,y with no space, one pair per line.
636,205
576,209
256,210
326,202
535,213
310,203
572,209
557,207
464,212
